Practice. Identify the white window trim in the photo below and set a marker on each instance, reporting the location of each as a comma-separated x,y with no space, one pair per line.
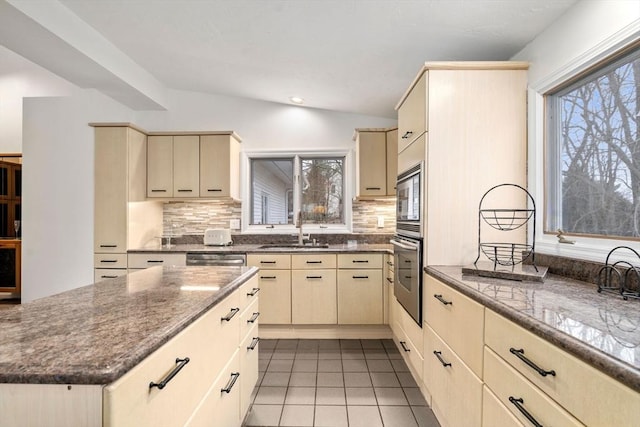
586,248
349,179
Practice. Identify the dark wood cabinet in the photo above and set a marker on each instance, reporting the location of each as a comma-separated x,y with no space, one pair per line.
10,198
10,265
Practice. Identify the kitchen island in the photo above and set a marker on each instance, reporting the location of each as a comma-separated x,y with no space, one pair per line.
88,351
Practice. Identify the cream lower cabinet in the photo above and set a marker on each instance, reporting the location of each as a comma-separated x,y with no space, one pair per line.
275,287
387,274
495,413
138,261
360,290
313,289
409,338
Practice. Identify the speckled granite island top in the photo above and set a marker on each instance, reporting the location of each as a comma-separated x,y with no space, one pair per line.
603,330
95,334
257,248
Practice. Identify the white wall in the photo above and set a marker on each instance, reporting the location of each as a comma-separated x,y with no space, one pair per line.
20,78
57,209
587,33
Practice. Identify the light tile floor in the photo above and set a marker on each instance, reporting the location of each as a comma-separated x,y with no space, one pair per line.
336,383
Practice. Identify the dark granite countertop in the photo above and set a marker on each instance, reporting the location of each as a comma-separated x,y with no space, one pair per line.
96,333
603,330
259,248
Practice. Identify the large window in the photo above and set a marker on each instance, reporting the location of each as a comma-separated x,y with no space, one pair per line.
282,187
593,152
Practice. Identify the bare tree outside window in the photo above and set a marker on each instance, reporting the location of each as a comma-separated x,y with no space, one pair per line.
594,153
322,195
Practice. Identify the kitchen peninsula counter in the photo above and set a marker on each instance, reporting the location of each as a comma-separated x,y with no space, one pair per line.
265,248
97,333
602,330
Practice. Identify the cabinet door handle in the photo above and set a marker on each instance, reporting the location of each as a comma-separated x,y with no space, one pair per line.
442,300
108,277
162,384
373,188
214,189
108,260
108,246
360,277
520,355
254,317
314,277
158,191
439,356
267,262
404,347
230,384
390,280
407,134
360,261
229,316
267,278
184,190
518,404
314,262
253,292
155,261
254,343
389,263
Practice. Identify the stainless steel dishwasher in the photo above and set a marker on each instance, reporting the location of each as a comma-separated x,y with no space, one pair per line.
208,259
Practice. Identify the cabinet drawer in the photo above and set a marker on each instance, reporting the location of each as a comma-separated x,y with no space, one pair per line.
313,261
411,328
411,354
220,408
360,260
269,261
313,297
412,113
208,343
458,320
275,296
510,387
456,392
101,274
495,413
249,318
360,297
110,260
248,368
249,292
574,382
152,260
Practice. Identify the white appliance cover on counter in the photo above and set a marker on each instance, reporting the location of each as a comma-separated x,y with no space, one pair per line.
217,237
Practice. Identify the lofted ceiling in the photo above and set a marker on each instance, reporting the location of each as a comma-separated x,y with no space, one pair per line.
345,55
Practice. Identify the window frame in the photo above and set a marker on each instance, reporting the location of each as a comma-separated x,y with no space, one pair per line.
348,177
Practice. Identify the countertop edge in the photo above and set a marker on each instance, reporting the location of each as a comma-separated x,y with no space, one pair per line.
606,364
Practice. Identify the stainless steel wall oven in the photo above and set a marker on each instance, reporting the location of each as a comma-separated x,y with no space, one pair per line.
408,241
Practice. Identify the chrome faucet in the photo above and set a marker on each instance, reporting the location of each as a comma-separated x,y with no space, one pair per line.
301,236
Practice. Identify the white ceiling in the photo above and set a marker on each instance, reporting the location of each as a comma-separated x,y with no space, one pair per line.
345,55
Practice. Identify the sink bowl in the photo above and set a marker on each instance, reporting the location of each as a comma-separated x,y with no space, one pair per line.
294,246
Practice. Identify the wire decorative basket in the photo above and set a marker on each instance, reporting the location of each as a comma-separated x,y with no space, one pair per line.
620,277
506,254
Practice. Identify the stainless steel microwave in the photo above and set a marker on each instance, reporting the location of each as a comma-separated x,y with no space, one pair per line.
409,201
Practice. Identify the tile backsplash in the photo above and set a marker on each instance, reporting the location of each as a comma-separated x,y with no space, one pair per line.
195,217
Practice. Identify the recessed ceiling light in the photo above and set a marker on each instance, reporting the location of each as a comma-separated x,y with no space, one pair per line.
296,100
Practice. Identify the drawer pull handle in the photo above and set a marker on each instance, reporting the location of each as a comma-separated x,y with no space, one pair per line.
108,260
314,262
360,277
518,404
404,347
108,277
267,278
214,189
229,316
108,246
407,134
360,261
439,356
442,300
520,355
230,384
155,261
389,279
267,262
158,191
162,384
372,188
314,277
254,317
254,343
180,190
389,263
253,292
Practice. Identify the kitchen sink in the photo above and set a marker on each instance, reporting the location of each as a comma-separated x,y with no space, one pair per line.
294,246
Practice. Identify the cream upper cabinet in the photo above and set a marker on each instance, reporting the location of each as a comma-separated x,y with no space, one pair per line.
186,166
160,166
376,162
412,113
220,166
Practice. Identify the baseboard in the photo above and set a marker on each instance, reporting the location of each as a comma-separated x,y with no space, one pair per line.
325,332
